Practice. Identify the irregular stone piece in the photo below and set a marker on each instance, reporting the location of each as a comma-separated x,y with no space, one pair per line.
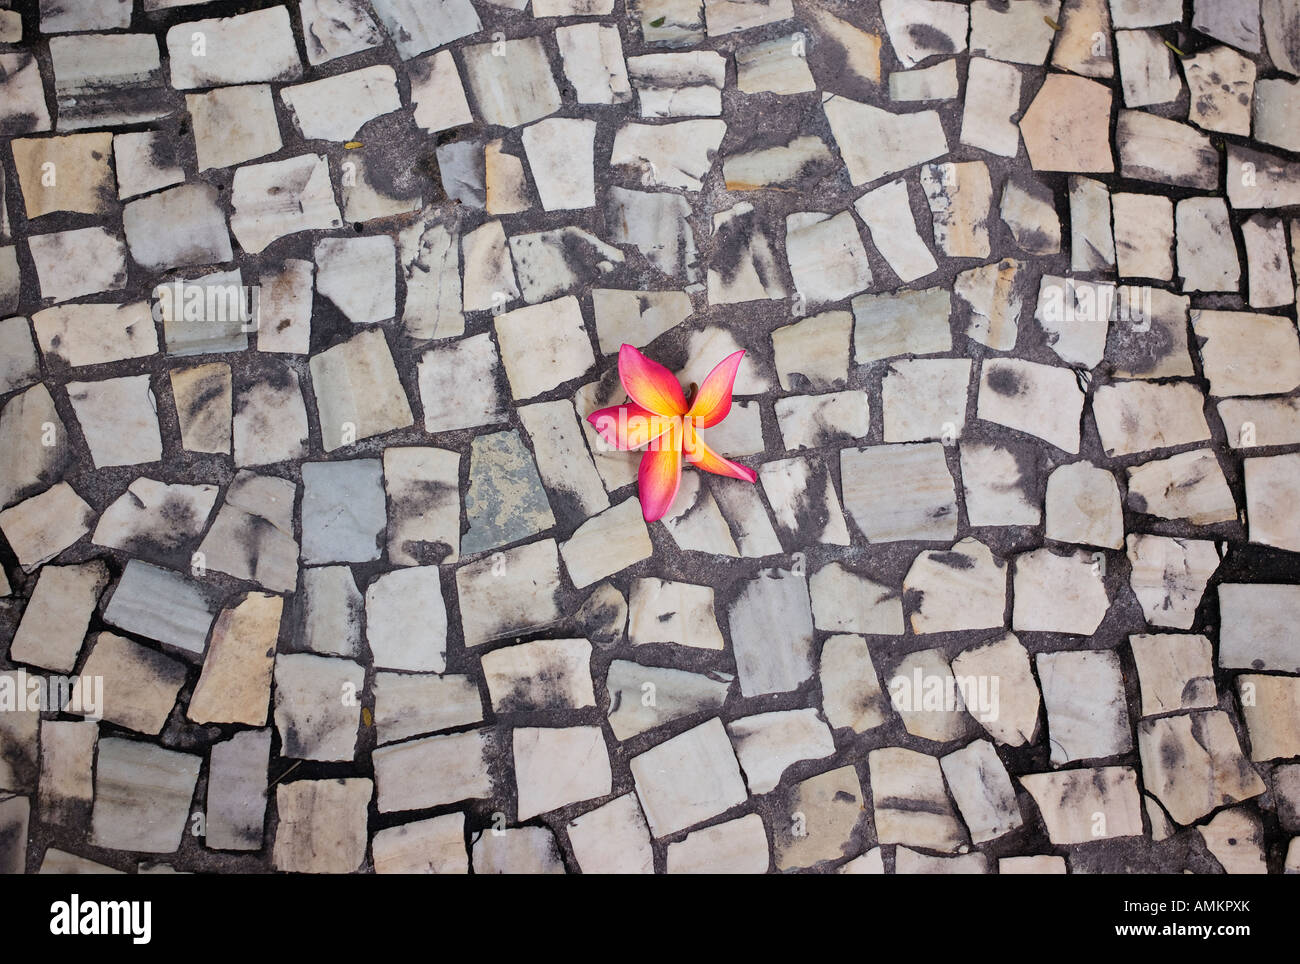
887,213
83,261
1235,23
270,419
851,694
676,692
1020,32
1139,416
1150,339
1247,354
811,421
558,766
1092,243
918,31
317,706
1176,672
982,790
1271,283
1168,576
924,692
1082,805
802,496
937,82
505,501
233,125
40,528
1270,498
70,173
467,372
1083,506
408,704
992,99
1275,102
142,796
236,793
261,210
1271,708
140,685
775,66
688,779
998,486
1058,593
964,587
772,633
1193,764
247,48
832,808
737,846
660,611
54,624
1189,486
433,846
1144,235
336,28
899,142
1066,126
592,55
509,592
1222,83
1040,400
1254,622
1280,20
679,84
1146,69
1082,45
518,850
925,398
163,605
343,511
913,498
657,224
546,674
560,155
607,543
1157,149
1028,208
1075,315
746,269
959,196
846,602
636,317
767,744
1207,256
417,27
543,346
1087,716
252,536
1004,659
337,107
551,263
1236,840
66,788
422,485
406,620
430,263
108,80
322,828
910,802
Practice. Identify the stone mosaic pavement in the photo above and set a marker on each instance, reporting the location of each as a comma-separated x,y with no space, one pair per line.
315,565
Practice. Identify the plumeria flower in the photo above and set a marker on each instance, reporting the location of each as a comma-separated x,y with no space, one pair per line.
660,417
